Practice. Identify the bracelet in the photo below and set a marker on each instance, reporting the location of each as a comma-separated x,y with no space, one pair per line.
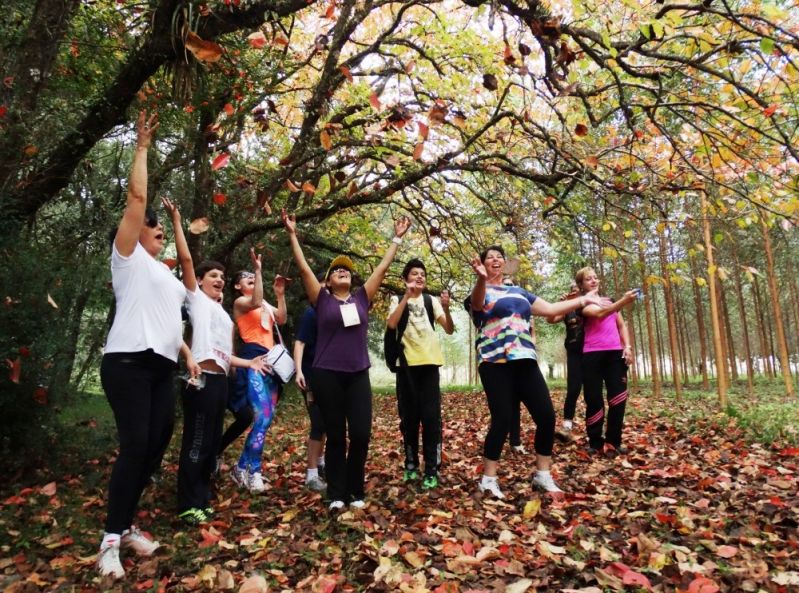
397,240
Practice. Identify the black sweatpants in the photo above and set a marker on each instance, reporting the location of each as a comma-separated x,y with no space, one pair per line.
317,431
574,382
419,400
203,418
504,384
138,386
346,403
242,419
604,367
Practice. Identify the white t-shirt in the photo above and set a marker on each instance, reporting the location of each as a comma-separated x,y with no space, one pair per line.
148,300
211,329
420,341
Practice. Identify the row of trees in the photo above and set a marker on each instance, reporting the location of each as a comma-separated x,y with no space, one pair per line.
645,138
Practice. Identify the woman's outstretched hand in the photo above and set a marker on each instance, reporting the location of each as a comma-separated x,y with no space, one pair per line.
255,260
401,226
172,210
478,267
145,128
289,221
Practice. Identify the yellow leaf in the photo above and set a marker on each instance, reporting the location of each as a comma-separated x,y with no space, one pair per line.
414,559
531,508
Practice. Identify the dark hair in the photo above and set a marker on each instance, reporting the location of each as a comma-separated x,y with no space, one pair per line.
484,252
150,220
206,267
413,263
238,276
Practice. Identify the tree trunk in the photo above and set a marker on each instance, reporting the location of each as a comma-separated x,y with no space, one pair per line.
650,332
765,352
700,323
714,314
668,297
739,293
730,342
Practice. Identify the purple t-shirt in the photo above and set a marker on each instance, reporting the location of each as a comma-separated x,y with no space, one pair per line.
340,348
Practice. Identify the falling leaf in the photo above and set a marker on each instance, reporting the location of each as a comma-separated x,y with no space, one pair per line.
352,189
346,72
170,262
16,369
228,109
424,130
374,101
205,51
410,66
30,150
220,199
325,140
331,11
490,82
508,56
52,302
592,162
280,40
48,489
3,111
220,161
199,225
257,40
309,188
417,151
581,130
291,186
770,110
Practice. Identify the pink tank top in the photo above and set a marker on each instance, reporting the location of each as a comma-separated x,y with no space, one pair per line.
601,334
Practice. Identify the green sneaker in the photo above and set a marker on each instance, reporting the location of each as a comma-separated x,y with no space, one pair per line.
430,482
410,474
193,516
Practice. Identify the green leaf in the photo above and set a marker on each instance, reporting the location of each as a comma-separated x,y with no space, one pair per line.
767,45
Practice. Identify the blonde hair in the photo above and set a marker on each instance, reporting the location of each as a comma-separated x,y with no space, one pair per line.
580,275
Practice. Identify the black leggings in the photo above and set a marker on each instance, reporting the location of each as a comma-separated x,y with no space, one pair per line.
608,367
203,417
419,400
346,403
505,384
242,419
574,382
317,431
139,389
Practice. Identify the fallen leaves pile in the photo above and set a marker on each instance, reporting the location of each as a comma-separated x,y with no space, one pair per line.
692,508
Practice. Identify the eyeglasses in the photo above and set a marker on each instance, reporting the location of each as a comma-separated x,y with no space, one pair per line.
340,269
246,275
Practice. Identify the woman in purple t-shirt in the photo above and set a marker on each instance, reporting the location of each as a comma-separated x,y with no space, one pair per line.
340,380
606,354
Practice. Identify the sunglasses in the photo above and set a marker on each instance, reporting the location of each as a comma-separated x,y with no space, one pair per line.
246,275
339,269
151,221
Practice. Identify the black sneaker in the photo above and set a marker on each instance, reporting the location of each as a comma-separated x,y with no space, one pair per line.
193,516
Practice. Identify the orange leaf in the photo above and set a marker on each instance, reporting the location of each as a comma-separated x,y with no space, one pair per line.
170,262
280,40
324,140
636,578
257,40
726,551
48,489
30,150
592,162
770,110
220,161
703,585
352,189
220,199
205,51
228,108
16,369
374,101
410,66
346,72
417,152
199,225
291,187
309,188
324,584
331,11
580,129
424,130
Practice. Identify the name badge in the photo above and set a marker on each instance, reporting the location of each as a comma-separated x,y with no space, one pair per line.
349,314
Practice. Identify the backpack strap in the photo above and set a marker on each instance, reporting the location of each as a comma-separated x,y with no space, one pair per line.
428,305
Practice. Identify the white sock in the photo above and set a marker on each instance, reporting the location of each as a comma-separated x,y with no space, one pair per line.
110,539
488,480
542,473
567,424
311,473
321,461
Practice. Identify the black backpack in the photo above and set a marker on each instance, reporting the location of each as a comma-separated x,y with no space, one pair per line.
392,339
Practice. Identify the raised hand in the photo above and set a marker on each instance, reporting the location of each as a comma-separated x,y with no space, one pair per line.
412,289
279,285
479,268
444,299
255,260
172,210
401,226
289,221
145,127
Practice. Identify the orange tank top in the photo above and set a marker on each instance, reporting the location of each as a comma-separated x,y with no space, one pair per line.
255,327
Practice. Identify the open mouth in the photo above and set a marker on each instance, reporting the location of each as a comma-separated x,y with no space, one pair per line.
160,236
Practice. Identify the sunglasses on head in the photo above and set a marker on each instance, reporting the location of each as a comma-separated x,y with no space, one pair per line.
151,221
246,275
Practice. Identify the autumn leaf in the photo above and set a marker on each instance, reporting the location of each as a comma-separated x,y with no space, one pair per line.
48,489
205,51
51,301
3,111
220,199
770,110
346,72
580,130
254,584
16,369
726,551
592,162
291,186
257,40
703,585
374,101
309,188
220,161
352,189
490,82
417,151
531,508
199,225
170,262
325,140
228,109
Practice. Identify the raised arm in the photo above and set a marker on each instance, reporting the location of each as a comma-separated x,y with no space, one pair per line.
182,246
309,281
279,286
132,220
244,304
600,310
401,226
544,308
411,291
479,290
446,322
558,318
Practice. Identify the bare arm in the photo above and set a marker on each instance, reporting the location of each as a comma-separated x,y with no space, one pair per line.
245,304
446,322
601,310
299,350
393,320
544,308
279,286
132,220
309,281
182,246
479,290
559,318
371,285
627,351
191,365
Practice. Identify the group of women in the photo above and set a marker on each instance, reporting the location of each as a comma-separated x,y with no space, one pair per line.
146,338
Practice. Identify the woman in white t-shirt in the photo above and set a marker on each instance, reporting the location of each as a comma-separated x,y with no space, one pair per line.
204,400
139,360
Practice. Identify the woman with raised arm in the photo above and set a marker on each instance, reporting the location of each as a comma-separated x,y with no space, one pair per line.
139,359
256,319
508,364
340,380
204,401
607,352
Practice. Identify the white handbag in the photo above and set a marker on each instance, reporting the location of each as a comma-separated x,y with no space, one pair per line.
278,357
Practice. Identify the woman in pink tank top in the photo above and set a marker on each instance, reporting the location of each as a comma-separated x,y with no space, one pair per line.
606,354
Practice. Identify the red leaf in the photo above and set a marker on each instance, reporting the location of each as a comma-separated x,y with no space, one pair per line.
424,130
3,111
636,578
417,151
228,108
40,396
170,262
331,11
205,51
346,72
789,452
209,539
24,351
49,489
220,161
16,369
257,40
220,199
581,130
770,110
325,140
309,188
374,101
324,584
702,585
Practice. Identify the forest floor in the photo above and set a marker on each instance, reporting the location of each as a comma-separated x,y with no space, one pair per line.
696,506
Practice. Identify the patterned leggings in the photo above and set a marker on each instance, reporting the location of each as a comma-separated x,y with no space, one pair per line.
262,395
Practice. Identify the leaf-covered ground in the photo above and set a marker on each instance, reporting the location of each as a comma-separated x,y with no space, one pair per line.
693,508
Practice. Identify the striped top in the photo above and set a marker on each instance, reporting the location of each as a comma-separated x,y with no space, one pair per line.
504,324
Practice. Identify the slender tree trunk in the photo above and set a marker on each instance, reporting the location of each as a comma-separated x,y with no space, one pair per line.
668,296
661,348
650,332
750,374
700,323
631,326
775,305
714,315
765,353
733,358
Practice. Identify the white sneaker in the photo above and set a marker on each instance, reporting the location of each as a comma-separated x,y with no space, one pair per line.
491,486
357,504
240,476
256,483
520,449
108,561
135,539
336,505
316,484
545,482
